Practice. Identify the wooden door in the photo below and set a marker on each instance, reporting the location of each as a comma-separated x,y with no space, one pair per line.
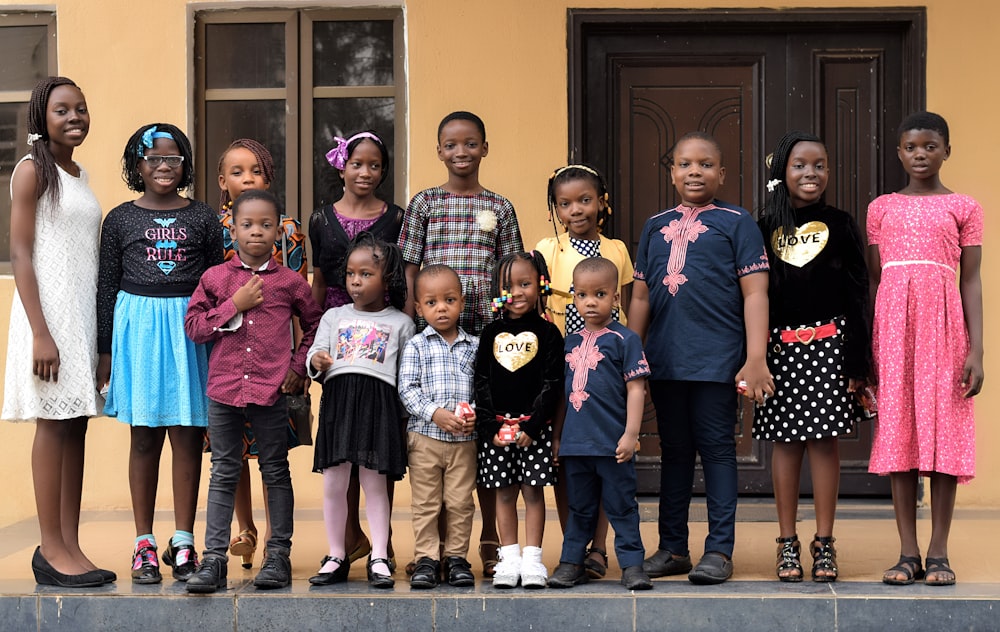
642,79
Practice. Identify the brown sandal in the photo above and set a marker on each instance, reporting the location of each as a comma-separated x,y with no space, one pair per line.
488,551
244,545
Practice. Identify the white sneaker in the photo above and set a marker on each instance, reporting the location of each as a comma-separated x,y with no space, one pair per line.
508,572
533,574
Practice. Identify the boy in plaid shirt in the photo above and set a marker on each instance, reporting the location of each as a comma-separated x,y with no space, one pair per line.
435,380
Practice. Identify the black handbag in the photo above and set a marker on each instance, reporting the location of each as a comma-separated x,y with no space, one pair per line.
300,415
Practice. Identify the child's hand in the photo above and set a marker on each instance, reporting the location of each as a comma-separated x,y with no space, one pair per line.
452,423
250,295
759,383
103,374
294,383
500,443
45,357
972,374
322,361
555,451
626,448
521,438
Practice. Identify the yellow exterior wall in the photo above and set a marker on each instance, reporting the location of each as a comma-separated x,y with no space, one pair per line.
506,61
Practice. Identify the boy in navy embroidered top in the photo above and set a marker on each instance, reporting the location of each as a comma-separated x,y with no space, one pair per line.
245,306
605,381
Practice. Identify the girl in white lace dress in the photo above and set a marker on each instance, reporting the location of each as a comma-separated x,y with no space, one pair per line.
51,349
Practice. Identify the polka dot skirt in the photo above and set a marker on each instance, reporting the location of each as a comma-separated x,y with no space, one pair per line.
509,465
811,400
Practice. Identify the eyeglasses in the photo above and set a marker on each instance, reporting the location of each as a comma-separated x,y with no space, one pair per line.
156,161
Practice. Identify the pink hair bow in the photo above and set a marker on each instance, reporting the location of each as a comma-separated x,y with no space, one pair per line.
338,155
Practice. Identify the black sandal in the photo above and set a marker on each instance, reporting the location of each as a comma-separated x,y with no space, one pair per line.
824,558
908,566
939,565
788,559
596,570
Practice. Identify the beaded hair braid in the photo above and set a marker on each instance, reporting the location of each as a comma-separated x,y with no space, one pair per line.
389,257
46,172
264,160
501,279
578,172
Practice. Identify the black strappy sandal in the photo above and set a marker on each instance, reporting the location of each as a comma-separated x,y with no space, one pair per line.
824,558
788,559
908,566
596,570
938,565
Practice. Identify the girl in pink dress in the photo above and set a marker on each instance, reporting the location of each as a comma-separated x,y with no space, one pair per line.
927,342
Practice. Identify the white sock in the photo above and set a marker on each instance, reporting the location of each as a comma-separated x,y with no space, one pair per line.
511,552
533,554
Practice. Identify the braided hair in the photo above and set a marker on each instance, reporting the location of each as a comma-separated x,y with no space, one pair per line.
389,258
501,278
264,161
578,172
46,171
778,212
135,150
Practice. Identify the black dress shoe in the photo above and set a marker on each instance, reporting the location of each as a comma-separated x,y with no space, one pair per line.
48,576
275,572
378,580
210,576
337,575
568,575
183,559
459,571
426,574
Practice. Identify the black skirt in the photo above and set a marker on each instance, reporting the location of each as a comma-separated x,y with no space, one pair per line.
361,422
810,400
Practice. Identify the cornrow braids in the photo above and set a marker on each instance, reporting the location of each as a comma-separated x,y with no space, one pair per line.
390,260
578,172
777,211
46,171
501,279
135,150
264,160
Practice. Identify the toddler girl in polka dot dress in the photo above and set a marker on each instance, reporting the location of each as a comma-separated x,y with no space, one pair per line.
819,352
927,342
518,380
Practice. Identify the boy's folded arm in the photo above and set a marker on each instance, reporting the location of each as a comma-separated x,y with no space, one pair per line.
207,317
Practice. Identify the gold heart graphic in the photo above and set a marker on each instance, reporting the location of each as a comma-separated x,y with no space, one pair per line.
513,352
808,241
805,335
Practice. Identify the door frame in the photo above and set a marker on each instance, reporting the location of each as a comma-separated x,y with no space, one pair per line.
585,25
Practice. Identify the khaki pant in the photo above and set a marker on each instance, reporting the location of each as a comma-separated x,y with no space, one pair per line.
442,478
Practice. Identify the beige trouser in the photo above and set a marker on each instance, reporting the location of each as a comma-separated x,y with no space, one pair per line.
442,476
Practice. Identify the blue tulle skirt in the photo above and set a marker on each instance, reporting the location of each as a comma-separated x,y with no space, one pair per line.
158,375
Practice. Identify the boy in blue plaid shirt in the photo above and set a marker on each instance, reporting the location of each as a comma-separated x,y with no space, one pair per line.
435,382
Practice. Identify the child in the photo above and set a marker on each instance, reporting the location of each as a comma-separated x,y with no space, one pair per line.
237,306
701,295
605,377
54,213
153,252
469,228
927,342
362,163
435,377
355,354
519,370
578,197
247,165
818,297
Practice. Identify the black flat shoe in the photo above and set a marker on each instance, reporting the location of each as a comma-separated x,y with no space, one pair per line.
335,576
378,580
48,576
109,576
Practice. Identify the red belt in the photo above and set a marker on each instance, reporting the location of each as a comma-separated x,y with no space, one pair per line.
805,335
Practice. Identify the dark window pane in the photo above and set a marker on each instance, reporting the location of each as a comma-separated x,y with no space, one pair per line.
245,55
342,117
355,53
13,136
25,54
262,121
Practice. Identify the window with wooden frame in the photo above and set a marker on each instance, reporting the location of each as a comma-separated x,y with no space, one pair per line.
294,79
28,51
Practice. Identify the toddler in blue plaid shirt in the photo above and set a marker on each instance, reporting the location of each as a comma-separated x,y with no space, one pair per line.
435,379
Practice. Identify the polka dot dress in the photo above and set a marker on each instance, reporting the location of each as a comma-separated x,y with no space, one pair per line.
509,465
587,248
811,400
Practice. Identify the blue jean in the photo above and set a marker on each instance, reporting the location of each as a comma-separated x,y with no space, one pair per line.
590,482
270,429
696,417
